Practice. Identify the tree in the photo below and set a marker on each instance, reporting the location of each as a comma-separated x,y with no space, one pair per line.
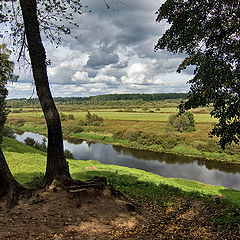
8,185
208,32
183,122
27,17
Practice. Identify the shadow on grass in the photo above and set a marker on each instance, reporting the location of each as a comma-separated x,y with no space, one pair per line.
232,194
134,188
12,145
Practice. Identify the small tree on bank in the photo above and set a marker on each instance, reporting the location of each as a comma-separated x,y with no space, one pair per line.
182,123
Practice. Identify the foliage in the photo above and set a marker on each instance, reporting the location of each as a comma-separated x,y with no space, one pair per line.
68,154
91,120
208,32
182,123
31,142
8,132
6,74
65,117
55,18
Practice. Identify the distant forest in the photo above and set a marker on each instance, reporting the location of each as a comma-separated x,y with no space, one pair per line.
109,97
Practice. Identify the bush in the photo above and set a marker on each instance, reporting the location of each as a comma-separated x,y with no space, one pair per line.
119,134
182,123
20,123
133,136
16,111
93,119
29,141
71,117
171,119
190,117
82,122
68,154
63,116
8,132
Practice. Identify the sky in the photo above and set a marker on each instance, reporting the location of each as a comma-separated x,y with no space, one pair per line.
113,53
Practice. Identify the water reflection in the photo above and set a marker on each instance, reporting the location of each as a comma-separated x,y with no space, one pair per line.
166,165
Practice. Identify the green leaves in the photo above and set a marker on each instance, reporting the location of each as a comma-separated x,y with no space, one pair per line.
208,32
6,74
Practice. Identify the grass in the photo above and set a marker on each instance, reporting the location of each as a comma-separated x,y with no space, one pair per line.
27,164
139,115
153,124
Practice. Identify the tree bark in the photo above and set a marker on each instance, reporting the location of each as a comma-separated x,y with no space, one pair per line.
8,185
57,165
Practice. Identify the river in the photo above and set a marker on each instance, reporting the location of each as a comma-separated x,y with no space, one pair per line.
166,165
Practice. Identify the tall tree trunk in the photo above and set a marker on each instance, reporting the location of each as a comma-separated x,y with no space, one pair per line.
8,185
56,161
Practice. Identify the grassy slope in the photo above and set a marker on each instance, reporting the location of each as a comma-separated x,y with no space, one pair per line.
27,163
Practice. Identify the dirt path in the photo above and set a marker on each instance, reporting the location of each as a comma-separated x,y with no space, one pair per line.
57,214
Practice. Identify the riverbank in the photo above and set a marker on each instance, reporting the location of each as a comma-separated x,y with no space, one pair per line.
73,132
28,164
169,198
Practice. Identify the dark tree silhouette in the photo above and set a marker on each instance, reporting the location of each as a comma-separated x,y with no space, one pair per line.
209,33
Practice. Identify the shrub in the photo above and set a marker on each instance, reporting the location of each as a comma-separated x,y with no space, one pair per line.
134,135
68,154
20,123
119,134
16,111
182,123
171,119
29,141
8,132
63,116
71,117
93,119
190,117
81,122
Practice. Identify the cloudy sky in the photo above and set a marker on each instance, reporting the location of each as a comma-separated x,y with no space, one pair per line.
114,53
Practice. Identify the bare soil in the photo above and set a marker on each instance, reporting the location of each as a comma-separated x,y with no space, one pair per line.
57,214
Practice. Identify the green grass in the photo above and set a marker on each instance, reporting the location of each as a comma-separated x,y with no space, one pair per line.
27,163
161,116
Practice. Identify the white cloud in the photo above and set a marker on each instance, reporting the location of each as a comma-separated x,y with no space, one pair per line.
114,52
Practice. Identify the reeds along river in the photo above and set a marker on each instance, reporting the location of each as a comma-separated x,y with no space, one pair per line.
166,165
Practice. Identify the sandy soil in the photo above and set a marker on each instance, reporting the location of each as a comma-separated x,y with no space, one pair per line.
54,213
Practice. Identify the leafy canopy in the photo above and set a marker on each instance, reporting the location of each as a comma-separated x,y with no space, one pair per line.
6,74
208,32
56,17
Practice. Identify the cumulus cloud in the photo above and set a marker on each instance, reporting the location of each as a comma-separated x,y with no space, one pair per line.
113,53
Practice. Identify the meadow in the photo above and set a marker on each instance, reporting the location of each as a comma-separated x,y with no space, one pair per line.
143,126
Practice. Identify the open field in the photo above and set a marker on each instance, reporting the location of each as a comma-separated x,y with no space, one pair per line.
115,114
120,126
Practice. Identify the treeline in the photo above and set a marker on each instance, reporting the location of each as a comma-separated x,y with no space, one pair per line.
137,96
102,98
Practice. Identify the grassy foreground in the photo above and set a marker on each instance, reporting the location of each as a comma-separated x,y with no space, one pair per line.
28,165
